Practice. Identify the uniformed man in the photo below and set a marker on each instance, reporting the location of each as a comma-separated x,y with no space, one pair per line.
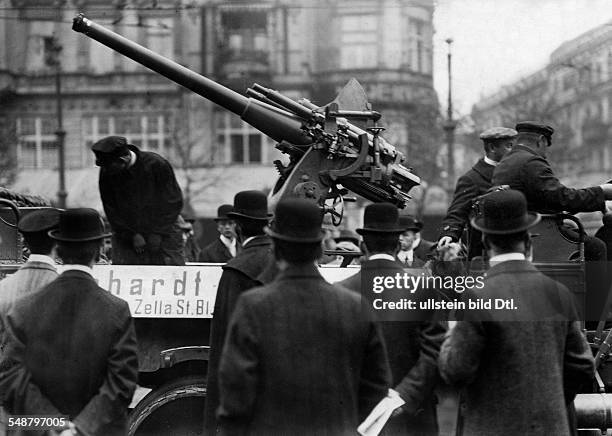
142,201
527,170
497,142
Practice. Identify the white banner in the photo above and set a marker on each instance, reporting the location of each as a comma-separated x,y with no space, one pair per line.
174,291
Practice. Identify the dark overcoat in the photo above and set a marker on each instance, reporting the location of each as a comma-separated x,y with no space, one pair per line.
518,377
216,252
301,358
413,349
71,350
476,182
525,170
144,199
239,275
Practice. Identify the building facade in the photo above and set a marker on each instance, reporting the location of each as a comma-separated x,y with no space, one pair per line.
573,93
303,49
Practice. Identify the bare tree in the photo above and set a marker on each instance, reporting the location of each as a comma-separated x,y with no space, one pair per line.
8,151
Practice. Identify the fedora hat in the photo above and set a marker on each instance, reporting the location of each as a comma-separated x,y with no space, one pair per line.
504,212
222,212
380,218
297,220
408,222
79,225
41,220
250,204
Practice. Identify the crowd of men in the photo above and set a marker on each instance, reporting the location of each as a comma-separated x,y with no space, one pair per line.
290,352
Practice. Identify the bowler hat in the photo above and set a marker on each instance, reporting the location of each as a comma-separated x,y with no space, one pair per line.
250,204
348,235
535,127
380,218
504,212
79,225
297,220
41,220
222,212
408,222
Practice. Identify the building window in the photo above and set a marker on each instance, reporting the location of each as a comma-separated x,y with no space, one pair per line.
148,132
419,46
37,147
243,144
159,35
245,34
358,41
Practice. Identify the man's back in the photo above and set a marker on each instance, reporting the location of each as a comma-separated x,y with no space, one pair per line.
520,368
72,330
315,364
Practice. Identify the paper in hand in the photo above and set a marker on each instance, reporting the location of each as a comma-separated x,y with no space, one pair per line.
381,413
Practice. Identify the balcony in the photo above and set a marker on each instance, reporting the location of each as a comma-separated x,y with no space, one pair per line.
238,65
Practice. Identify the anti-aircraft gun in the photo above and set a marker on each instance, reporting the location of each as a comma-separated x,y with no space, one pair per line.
327,152
328,155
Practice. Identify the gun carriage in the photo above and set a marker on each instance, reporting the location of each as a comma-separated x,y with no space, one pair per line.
332,149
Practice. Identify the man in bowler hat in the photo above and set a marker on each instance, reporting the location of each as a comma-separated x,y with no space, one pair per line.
36,272
412,345
250,212
142,201
226,246
497,360
71,347
301,356
497,142
414,250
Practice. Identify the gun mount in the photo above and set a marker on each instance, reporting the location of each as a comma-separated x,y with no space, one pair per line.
326,151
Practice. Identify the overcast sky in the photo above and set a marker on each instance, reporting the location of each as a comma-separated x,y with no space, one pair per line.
499,41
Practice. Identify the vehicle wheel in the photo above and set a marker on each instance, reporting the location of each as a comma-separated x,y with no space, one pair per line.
176,408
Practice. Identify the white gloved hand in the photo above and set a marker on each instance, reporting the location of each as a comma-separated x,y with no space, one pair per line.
444,241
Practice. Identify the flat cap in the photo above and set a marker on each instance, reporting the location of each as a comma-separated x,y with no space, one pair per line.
498,133
41,220
115,145
535,127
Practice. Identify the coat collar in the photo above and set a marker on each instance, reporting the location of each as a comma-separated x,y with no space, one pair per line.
34,264
521,147
511,266
382,264
301,271
258,241
484,169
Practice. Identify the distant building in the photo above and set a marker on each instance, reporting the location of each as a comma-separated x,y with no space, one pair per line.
303,49
574,94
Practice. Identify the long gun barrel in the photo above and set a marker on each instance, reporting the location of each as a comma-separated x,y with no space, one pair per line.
286,126
319,156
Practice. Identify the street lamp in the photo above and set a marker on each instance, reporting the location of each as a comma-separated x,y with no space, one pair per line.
53,50
450,125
